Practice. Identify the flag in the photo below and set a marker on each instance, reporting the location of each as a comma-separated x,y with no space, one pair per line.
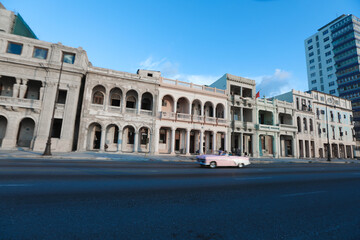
257,94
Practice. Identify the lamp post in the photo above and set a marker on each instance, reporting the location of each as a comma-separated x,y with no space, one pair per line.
327,133
47,151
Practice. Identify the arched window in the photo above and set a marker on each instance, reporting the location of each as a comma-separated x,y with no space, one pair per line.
305,124
115,100
131,102
299,124
311,125
98,98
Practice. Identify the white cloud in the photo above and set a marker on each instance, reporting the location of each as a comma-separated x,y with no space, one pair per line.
271,85
170,70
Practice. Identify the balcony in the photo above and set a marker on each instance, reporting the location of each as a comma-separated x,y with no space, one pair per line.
131,110
267,127
20,102
222,121
167,115
146,112
286,127
210,120
197,118
183,116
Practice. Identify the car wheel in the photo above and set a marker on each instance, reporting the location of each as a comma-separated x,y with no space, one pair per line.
241,165
213,164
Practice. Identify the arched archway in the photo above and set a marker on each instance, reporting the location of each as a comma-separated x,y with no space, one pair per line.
128,139
147,101
131,99
144,139
112,138
26,132
183,105
196,108
115,97
167,104
98,95
209,109
3,125
220,111
94,136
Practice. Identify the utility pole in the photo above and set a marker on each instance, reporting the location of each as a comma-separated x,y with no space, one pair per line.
327,133
47,151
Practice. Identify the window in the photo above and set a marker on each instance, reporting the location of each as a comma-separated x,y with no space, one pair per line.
98,98
311,47
331,83
131,102
131,136
14,48
321,80
325,32
311,54
317,38
311,61
329,68
69,58
312,74
329,60
326,39
312,67
313,81
149,74
327,46
305,124
332,92
330,76
40,53
164,103
328,53
56,129
309,41
162,138
314,88
61,96
322,87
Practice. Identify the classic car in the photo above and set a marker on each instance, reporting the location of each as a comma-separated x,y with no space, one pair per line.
214,161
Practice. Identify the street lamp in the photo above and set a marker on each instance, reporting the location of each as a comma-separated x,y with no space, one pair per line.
47,151
327,133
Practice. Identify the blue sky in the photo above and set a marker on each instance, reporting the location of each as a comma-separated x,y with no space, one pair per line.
195,41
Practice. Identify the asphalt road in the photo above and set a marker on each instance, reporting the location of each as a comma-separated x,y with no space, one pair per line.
155,200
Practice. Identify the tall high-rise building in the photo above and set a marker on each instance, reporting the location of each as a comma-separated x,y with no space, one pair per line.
333,61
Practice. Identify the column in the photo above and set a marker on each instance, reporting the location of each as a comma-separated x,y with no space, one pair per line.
16,88
138,106
119,143
240,138
12,128
156,141
226,141
102,140
188,141
136,141
42,91
201,142
106,100
123,102
172,151
277,142
255,142
214,142
150,141
202,110
23,88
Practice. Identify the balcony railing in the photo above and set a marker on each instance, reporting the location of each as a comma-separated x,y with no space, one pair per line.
167,115
221,121
267,127
130,110
20,102
210,120
183,116
197,118
287,127
146,112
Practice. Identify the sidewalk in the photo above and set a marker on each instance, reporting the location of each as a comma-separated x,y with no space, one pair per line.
106,156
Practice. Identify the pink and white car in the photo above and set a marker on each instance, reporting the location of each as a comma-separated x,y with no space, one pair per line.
222,161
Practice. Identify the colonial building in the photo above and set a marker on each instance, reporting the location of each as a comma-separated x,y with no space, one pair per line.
99,109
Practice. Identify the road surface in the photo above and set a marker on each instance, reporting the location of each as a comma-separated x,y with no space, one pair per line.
59,199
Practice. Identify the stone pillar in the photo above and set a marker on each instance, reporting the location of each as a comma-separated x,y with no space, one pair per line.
102,140
106,99
16,88
138,106
42,91
156,141
172,151
240,139
136,141
23,88
188,141
119,143
201,142
151,135
214,142
226,141
202,110
123,103
12,128
255,142
277,142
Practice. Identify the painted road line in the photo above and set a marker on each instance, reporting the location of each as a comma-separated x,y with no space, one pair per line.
252,178
301,194
15,185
